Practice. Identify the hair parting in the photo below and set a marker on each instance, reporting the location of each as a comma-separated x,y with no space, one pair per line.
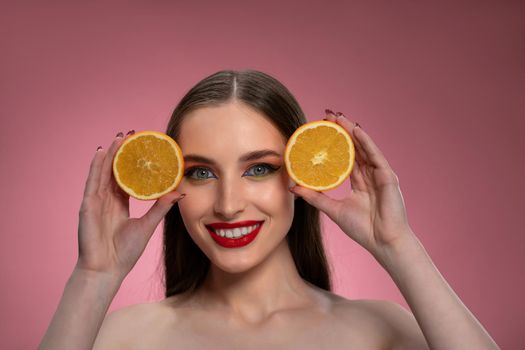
185,265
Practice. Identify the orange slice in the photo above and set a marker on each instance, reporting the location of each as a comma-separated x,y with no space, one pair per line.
148,165
319,155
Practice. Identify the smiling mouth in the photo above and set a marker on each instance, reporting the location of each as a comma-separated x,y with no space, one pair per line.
234,233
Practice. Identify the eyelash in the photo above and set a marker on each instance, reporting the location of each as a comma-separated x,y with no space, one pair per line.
271,169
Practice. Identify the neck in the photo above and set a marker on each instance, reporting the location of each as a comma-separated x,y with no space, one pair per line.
254,295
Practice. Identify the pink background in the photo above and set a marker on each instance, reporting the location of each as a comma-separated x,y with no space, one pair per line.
438,85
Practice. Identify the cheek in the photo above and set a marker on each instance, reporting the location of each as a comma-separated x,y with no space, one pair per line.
274,197
192,210
193,207
197,197
183,186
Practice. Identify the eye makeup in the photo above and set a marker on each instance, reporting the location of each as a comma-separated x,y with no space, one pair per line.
269,168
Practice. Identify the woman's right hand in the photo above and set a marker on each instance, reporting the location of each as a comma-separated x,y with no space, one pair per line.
110,242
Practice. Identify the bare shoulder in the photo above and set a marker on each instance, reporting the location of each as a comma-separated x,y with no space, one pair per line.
397,325
120,327
403,325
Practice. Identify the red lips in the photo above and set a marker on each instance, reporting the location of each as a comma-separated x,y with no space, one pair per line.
225,225
227,242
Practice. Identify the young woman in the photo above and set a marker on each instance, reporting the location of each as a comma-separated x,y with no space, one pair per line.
273,292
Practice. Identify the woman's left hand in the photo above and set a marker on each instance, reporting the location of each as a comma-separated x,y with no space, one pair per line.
373,214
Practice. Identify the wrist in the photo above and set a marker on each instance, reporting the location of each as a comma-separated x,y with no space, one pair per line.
407,246
99,280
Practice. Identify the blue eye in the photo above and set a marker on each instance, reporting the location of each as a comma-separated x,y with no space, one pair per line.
201,173
259,170
263,169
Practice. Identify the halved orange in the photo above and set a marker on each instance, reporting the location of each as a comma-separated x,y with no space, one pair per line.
319,155
148,165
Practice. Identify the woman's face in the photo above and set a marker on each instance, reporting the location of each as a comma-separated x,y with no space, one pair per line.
229,189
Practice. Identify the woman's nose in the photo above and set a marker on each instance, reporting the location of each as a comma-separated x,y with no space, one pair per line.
230,200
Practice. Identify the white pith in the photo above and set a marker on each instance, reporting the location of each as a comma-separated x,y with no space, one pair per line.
236,232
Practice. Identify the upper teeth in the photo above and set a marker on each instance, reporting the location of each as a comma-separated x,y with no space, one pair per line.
236,232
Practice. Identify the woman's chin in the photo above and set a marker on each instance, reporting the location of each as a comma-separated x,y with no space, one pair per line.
235,266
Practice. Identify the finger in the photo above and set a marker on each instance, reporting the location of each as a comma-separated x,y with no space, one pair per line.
374,155
345,123
350,127
342,120
356,178
94,172
318,199
115,186
107,167
157,212
122,198
361,156
330,115
360,153
117,189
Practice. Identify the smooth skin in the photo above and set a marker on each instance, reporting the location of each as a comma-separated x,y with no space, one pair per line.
373,215
110,244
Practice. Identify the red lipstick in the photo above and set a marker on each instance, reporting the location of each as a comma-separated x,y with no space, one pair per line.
234,242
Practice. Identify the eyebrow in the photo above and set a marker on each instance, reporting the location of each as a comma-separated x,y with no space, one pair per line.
244,158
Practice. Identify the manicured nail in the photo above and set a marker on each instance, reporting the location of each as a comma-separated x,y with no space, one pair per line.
178,199
120,134
131,132
99,148
328,111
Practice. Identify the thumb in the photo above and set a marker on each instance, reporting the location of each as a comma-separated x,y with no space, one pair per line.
158,210
317,199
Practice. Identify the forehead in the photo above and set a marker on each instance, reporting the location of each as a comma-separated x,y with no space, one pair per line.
233,128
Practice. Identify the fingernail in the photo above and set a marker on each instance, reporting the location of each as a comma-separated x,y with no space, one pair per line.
178,199
339,114
120,134
99,148
357,125
328,111
131,132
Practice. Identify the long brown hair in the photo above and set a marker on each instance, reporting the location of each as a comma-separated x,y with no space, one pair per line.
185,265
